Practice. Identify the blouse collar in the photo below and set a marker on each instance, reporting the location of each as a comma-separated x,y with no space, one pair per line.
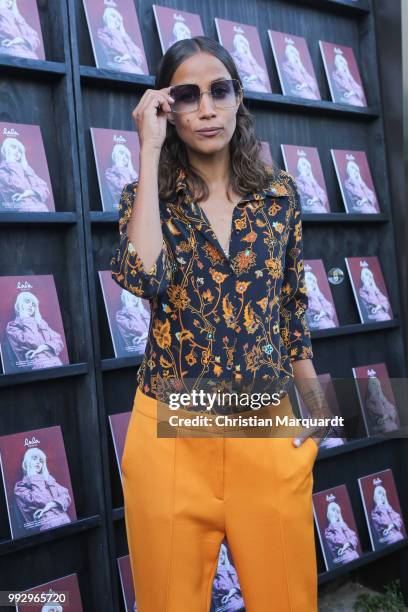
276,187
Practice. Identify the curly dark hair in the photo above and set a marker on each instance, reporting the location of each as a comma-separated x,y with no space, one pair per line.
247,170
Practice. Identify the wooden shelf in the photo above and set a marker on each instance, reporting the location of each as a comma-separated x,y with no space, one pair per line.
33,68
104,78
19,378
338,217
366,558
354,328
12,218
348,7
35,539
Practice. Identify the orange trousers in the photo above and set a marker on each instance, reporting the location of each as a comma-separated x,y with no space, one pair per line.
183,494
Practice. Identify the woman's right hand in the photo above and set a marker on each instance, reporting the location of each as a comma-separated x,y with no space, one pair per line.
150,117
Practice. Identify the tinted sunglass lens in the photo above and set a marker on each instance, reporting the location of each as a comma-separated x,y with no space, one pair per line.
186,98
224,93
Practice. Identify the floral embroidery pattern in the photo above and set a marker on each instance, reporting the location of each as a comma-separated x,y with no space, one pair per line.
215,320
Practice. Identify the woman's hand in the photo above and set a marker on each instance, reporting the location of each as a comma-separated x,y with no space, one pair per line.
150,117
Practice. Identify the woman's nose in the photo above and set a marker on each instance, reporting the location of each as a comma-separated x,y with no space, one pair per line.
206,104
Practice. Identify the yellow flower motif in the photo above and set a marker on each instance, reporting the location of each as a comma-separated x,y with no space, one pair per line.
241,286
217,370
274,266
218,277
274,208
250,237
263,303
190,358
161,333
208,296
279,227
297,231
212,253
240,224
178,296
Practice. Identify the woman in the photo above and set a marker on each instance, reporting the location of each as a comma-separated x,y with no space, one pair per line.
375,303
313,197
341,540
42,501
349,90
225,313
301,83
34,343
254,77
121,52
17,37
320,313
361,197
21,188
386,521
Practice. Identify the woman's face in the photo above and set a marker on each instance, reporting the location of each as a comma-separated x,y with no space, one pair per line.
113,21
354,171
334,514
27,307
201,69
292,54
13,152
380,498
36,463
304,167
122,158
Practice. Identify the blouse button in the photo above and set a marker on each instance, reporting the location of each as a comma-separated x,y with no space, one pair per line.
228,366
236,231
189,226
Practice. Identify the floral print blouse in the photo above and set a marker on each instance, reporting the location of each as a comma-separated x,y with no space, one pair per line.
235,322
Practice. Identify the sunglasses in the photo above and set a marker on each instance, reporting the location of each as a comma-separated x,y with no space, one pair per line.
225,93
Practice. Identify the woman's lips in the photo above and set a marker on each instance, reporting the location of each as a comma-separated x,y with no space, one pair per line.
210,133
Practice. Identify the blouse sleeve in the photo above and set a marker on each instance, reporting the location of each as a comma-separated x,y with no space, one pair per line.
127,268
294,301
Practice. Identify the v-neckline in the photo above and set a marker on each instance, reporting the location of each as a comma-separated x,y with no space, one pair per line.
206,219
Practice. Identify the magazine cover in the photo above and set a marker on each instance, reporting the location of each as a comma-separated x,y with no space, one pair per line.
243,43
25,184
128,316
266,155
31,331
336,526
117,163
342,74
382,509
115,35
355,181
369,289
321,312
173,25
119,425
54,600
36,481
126,581
20,30
226,591
294,65
337,434
380,411
304,165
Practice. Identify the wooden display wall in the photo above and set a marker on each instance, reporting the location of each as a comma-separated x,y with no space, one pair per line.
66,95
